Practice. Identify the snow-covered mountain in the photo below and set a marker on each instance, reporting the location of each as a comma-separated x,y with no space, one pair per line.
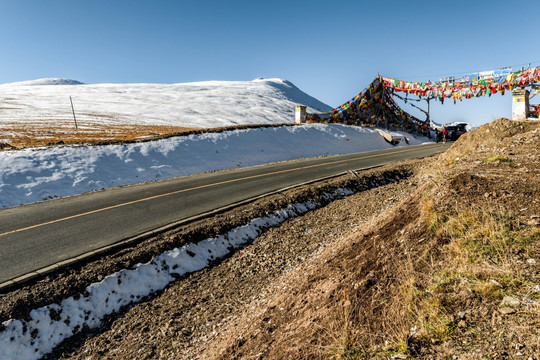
198,104
46,81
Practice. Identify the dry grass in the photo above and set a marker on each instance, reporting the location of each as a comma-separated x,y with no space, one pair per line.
471,259
496,158
478,265
342,331
18,137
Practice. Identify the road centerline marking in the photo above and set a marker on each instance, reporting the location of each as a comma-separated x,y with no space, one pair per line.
194,188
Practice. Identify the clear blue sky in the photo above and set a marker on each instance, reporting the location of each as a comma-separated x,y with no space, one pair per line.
329,49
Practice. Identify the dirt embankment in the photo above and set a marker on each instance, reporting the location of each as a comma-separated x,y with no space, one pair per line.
451,272
434,258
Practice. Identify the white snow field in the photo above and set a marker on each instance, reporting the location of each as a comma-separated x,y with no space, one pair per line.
32,175
205,104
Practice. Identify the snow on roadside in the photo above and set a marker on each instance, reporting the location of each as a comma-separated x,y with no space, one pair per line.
32,175
48,326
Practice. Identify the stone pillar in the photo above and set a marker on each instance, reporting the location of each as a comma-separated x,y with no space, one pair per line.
520,104
300,114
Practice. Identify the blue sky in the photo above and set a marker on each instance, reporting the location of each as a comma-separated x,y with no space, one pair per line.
329,49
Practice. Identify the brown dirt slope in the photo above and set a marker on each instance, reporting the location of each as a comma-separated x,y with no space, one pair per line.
452,272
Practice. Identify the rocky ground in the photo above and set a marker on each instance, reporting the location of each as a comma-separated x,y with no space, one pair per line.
433,258
450,272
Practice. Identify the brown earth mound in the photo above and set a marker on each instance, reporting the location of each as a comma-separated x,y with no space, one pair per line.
432,278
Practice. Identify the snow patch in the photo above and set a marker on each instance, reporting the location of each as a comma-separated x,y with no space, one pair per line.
31,175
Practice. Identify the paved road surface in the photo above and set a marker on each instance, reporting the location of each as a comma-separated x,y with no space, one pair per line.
37,235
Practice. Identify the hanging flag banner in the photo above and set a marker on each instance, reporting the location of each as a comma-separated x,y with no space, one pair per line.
469,86
374,106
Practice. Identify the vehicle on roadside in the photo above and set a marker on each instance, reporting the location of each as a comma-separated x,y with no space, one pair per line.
455,131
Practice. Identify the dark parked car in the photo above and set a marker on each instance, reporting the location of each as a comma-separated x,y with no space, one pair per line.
455,131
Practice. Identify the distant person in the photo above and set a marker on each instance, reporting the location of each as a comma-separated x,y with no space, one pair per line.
437,135
444,134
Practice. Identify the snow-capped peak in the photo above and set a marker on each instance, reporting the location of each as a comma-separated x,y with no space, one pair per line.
275,80
47,81
270,80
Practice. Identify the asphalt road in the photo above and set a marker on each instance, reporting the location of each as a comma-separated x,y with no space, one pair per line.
38,235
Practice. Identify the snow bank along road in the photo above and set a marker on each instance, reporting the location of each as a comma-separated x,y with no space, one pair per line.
32,175
38,235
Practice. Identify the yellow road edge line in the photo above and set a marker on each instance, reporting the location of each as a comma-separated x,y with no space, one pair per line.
190,189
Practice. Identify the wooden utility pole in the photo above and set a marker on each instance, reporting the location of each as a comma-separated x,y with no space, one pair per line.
73,110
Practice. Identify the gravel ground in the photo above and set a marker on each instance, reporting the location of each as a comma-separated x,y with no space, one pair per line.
181,320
